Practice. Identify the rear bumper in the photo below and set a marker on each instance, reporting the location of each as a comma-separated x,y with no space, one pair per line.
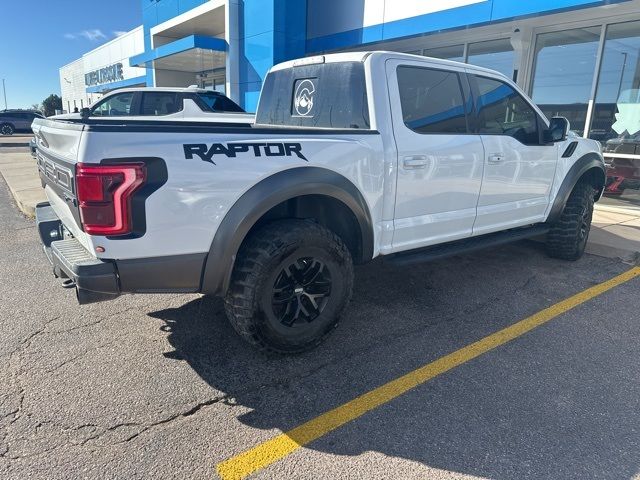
94,279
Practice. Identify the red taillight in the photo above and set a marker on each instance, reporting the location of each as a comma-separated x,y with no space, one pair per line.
104,195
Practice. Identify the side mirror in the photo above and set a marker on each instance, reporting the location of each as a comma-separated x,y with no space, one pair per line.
85,112
557,131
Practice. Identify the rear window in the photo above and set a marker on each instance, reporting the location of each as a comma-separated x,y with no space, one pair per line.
219,103
328,95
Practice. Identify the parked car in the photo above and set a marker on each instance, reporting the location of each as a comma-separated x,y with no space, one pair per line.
157,103
14,121
623,172
352,156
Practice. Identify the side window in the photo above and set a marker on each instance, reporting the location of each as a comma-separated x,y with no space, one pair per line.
160,103
431,100
503,111
115,106
219,103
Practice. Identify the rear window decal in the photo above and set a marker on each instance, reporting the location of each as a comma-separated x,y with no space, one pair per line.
303,97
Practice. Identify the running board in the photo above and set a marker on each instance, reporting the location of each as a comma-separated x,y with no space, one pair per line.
466,245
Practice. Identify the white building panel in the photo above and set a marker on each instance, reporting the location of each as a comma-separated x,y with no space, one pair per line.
399,10
328,17
117,50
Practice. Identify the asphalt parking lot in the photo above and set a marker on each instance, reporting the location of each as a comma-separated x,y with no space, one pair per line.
160,386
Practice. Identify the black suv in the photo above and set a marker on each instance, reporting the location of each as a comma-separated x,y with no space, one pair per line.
12,121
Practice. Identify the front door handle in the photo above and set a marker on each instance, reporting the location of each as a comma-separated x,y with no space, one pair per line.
496,158
415,161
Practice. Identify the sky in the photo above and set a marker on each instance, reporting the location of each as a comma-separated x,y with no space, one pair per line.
40,36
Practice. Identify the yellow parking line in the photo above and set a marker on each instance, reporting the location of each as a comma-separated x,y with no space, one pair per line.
271,451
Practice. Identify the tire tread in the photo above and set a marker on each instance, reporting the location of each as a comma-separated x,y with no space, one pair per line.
562,240
241,300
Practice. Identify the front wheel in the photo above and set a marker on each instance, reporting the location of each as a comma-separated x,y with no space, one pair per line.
7,129
291,282
568,236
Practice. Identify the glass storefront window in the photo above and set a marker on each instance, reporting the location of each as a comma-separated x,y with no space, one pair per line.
616,113
454,52
564,68
494,54
619,76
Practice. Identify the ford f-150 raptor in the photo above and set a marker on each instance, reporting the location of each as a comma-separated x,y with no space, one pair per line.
351,156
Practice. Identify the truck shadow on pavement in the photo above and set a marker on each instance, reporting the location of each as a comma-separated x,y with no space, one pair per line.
559,403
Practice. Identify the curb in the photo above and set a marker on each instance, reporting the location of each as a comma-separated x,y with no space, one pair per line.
6,145
27,194
26,209
632,211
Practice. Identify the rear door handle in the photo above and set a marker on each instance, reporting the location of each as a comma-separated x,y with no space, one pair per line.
496,158
415,161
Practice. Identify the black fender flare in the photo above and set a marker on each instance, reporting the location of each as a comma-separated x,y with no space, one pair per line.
578,169
265,195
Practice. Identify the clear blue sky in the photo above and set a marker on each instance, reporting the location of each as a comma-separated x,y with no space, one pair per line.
40,36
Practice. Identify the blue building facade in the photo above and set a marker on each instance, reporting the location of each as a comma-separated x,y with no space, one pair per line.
259,34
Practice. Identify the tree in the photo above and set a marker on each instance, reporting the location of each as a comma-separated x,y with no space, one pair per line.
50,104
36,106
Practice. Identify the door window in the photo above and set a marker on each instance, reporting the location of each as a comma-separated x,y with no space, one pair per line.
503,111
431,100
160,103
115,106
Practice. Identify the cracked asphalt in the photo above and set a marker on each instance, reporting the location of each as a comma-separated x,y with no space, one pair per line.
160,386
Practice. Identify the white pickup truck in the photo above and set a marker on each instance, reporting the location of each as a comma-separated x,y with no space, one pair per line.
352,156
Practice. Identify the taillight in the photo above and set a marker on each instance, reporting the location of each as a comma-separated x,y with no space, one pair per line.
104,195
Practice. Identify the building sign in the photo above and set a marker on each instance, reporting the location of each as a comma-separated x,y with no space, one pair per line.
112,73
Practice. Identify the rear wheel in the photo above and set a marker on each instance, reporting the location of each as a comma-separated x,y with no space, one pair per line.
7,129
568,236
292,280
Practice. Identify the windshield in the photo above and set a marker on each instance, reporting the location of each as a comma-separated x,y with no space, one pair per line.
219,103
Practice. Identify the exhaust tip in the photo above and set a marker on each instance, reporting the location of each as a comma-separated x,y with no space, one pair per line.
86,297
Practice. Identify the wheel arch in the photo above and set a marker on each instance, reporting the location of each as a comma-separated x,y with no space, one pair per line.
302,192
588,168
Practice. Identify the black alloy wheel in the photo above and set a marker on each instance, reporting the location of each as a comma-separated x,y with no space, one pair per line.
301,291
292,280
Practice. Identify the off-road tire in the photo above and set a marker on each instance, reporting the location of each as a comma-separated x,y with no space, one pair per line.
265,260
7,129
568,236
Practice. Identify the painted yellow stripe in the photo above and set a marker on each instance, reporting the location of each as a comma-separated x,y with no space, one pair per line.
271,451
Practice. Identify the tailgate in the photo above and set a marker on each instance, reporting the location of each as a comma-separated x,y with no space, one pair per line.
58,143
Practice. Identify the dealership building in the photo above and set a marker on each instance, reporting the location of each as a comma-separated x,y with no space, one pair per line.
576,58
